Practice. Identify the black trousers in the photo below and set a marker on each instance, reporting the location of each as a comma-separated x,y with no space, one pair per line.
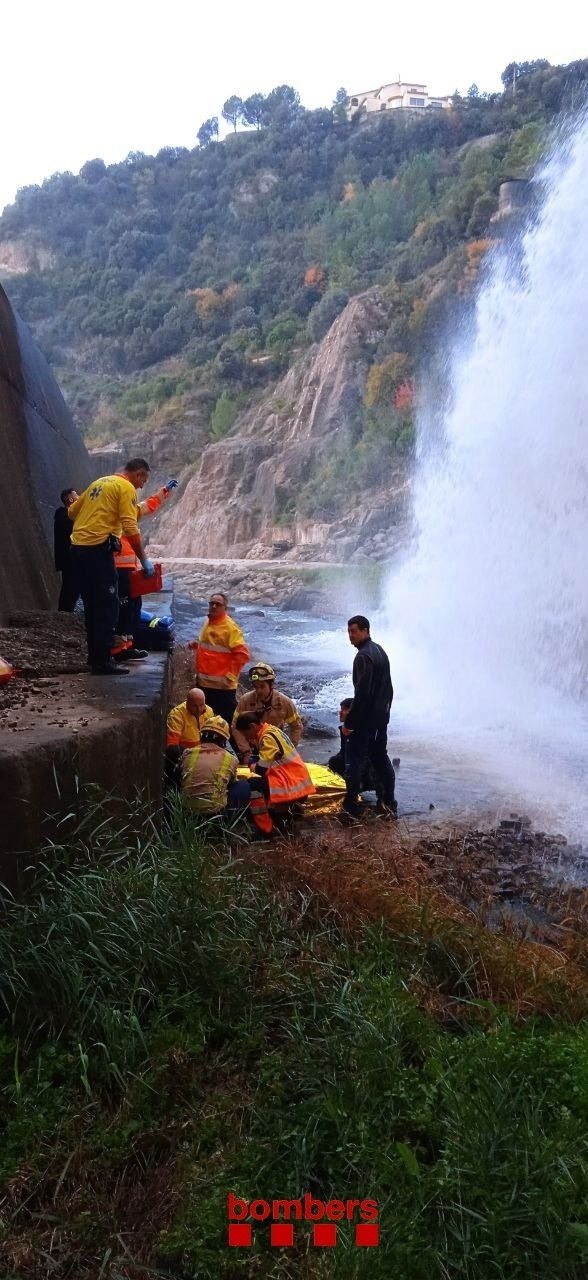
368,744
98,588
70,586
369,782
129,607
222,701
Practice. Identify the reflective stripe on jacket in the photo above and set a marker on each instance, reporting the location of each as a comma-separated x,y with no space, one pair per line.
220,654
287,777
280,712
206,773
126,558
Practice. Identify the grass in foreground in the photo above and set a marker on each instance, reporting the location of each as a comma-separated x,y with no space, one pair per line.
172,1030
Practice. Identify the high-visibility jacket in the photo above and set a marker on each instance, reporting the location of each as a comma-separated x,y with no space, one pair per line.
126,558
108,506
206,773
286,774
183,728
220,653
279,711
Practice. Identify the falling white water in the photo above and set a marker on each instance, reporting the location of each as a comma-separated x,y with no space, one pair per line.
487,624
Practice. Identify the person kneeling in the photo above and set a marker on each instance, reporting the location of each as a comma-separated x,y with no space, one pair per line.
280,774
209,782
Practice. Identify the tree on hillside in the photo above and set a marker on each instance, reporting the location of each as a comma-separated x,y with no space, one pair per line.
339,111
325,313
208,131
232,111
93,171
516,71
282,106
253,110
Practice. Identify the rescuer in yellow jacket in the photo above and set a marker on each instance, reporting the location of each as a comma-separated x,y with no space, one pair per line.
186,721
275,708
209,773
129,611
105,511
280,776
220,653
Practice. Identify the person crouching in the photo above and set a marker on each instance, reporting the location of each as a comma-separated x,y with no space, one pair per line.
280,774
209,773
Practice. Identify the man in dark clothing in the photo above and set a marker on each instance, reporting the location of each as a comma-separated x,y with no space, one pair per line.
337,762
64,562
366,724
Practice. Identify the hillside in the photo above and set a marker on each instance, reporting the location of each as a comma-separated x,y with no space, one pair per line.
173,293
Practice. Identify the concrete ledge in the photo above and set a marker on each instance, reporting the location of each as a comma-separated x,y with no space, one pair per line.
109,731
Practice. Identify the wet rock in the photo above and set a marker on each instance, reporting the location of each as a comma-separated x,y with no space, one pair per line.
511,824
306,600
314,730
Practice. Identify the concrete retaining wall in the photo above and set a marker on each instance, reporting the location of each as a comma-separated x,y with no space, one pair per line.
41,453
110,732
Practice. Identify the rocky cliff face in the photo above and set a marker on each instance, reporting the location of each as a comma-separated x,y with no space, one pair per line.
19,256
41,454
244,481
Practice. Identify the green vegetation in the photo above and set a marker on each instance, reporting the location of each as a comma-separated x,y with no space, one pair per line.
174,1029
223,416
214,267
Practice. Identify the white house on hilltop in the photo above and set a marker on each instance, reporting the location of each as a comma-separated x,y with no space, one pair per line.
406,94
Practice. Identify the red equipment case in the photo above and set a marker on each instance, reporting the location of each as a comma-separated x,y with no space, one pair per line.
141,585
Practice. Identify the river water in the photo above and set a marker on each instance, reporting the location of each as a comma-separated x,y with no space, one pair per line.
486,621
313,660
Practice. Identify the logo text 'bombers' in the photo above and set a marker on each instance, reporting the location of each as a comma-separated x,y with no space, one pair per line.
324,1216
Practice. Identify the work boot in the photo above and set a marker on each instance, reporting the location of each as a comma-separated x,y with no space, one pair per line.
134,655
347,819
388,811
111,668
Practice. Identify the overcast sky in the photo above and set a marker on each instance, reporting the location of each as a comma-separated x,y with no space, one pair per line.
81,80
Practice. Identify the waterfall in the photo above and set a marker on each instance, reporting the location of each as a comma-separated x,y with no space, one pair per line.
487,622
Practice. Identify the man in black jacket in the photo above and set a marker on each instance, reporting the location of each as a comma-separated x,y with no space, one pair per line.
366,725
62,527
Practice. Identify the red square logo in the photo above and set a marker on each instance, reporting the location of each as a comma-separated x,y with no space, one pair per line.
324,1233
367,1233
239,1233
282,1233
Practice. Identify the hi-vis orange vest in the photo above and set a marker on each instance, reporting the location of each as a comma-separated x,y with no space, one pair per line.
126,558
220,653
286,773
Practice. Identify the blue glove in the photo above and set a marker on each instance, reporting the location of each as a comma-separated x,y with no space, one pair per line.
171,484
149,569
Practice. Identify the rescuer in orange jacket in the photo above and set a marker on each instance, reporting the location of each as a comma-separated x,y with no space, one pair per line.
281,777
129,607
220,653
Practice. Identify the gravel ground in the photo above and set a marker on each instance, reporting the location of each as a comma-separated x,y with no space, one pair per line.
42,647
